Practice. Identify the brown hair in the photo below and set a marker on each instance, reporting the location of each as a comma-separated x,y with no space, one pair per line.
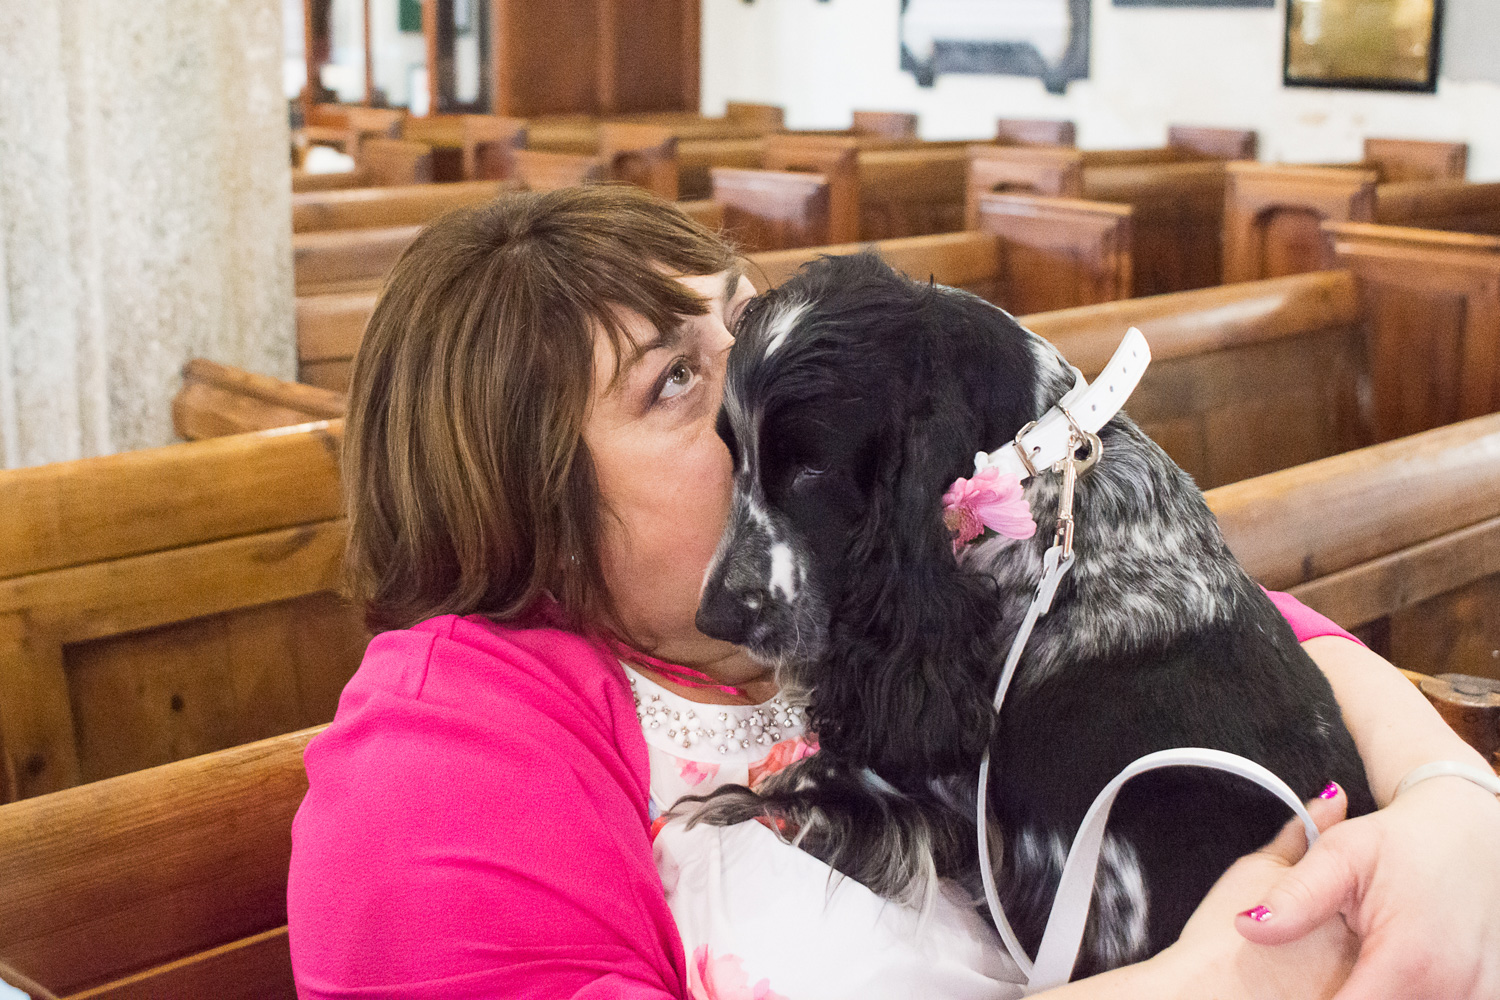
468,486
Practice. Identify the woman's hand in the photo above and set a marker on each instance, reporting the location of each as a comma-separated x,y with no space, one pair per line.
1418,881
1211,960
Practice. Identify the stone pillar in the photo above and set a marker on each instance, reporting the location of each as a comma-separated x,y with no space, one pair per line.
145,214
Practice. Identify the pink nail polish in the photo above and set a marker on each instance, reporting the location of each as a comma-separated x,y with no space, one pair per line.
1330,791
1259,914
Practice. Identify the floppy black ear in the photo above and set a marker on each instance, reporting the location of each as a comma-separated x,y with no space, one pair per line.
904,688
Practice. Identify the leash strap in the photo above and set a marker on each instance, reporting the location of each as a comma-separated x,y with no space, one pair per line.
1063,937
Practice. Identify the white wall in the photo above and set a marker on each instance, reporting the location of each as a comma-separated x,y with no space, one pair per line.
1149,68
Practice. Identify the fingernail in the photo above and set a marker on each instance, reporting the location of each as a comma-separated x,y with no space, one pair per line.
1259,914
1329,791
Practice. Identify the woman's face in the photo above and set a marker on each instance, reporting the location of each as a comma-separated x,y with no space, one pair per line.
665,477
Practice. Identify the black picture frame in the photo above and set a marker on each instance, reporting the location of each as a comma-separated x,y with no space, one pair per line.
1003,56
1292,75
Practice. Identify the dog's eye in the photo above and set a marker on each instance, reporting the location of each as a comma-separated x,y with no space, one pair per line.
806,475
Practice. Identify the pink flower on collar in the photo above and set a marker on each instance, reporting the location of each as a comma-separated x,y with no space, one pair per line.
991,499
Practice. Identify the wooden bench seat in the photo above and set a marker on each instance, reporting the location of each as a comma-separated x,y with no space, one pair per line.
161,603
171,881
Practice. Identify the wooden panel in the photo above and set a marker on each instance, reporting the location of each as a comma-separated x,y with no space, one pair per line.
958,259
486,144
334,376
1368,503
44,612
833,159
94,509
546,58
1271,212
1411,160
335,261
771,209
1034,132
548,171
1178,224
1433,301
390,162
1020,169
377,207
1218,143
1456,630
1233,412
695,157
115,877
1058,252
329,327
165,694
258,967
911,192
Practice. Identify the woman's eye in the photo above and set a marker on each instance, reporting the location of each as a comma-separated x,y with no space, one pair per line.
680,378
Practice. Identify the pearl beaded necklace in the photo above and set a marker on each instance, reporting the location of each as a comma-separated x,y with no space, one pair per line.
726,728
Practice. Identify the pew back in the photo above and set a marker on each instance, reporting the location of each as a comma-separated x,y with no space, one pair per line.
1414,160
1273,216
162,603
1034,132
168,882
394,162
379,207
1399,542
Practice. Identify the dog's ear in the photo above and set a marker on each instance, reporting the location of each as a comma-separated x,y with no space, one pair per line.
904,691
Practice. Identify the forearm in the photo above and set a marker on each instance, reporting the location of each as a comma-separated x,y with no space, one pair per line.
1393,726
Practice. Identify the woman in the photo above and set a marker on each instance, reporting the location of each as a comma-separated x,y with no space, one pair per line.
535,488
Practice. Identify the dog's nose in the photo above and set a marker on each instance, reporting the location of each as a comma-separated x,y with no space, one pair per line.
729,614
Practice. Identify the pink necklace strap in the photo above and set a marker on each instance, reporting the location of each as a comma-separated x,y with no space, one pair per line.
678,674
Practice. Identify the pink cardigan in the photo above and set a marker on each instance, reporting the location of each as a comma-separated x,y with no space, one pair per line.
476,824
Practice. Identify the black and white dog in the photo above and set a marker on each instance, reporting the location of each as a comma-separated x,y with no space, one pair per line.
854,398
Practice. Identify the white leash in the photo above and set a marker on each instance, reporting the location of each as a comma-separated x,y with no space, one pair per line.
1052,443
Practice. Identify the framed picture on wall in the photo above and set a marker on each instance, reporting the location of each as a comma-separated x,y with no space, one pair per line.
1363,44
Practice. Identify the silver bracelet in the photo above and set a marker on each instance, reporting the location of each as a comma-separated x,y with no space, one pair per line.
1485,779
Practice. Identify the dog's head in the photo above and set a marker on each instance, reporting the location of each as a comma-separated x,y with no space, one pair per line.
854,398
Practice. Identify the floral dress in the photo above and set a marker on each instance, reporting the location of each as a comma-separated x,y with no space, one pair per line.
762,920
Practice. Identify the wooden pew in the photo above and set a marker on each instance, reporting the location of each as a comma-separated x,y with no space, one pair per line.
347,126
469,147
338,181
1176,196
1399,543
1433,301
346,260
393,162
1035,132
375,207
882,192
1273,212
166,882
216,400
162,603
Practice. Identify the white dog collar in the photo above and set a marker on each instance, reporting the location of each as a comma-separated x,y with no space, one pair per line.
1045,442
